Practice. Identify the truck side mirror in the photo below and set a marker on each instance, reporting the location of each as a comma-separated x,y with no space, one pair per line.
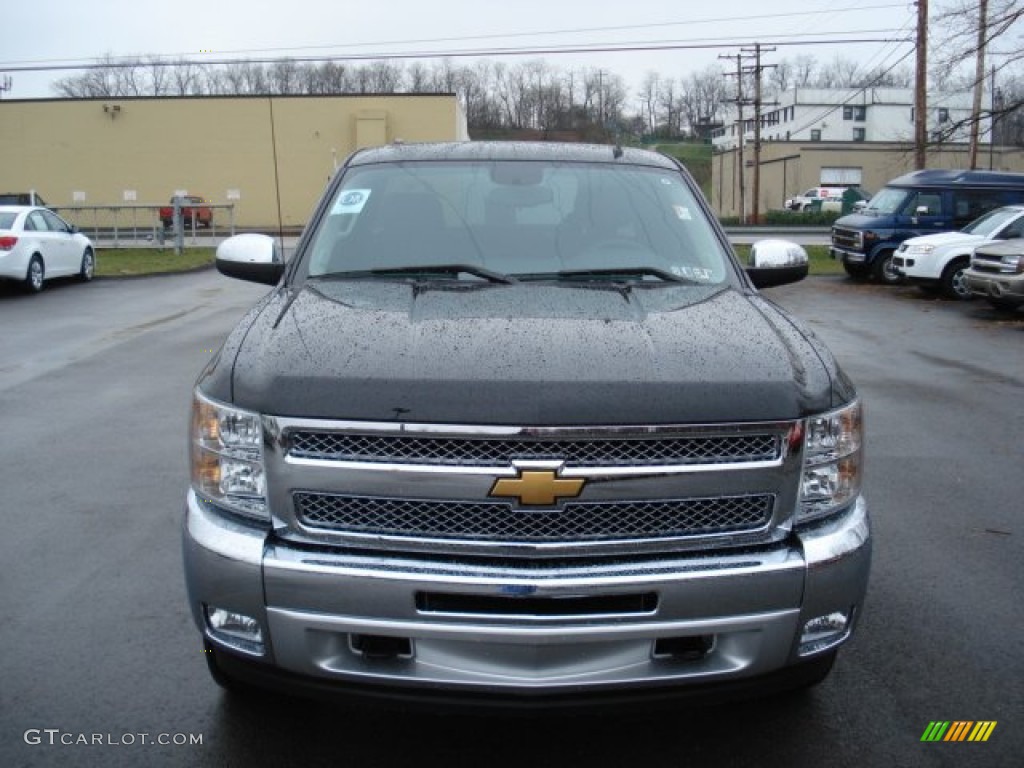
776,262
251,257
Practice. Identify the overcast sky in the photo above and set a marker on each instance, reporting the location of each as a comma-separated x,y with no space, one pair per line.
46,32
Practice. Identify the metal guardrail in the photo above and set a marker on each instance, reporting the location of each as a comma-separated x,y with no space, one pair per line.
140,225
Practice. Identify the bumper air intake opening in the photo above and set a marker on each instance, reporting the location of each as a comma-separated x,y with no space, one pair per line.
692,648
546,607
381,647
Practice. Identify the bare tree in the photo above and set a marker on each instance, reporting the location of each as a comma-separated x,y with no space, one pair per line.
443,77
186,78
882,77
703,96
101,80
780,77
284,77
335,78
132,77
957,42
839,73
1008,120
963,37
253,79
805,67
385,76
670,108
510,90
159,76
649,91
417,77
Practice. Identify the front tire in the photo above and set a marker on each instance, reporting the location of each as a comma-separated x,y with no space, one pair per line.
953,282
88,268
35,275
884,271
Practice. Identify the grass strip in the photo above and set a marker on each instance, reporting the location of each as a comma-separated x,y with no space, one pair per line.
124,262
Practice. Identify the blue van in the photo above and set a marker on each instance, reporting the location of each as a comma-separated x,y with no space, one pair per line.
919,203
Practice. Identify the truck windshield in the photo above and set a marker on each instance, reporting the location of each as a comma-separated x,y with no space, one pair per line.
991,222
539,220
888,200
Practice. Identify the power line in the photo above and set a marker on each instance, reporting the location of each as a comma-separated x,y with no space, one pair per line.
499,36
455,54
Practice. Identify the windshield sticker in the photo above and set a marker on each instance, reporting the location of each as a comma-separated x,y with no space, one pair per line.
682,212
699,274
351,201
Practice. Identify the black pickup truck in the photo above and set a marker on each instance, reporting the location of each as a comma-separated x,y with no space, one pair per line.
514,423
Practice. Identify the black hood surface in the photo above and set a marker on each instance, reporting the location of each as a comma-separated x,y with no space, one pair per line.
525,354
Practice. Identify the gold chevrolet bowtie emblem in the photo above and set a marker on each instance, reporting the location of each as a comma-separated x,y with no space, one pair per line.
539,488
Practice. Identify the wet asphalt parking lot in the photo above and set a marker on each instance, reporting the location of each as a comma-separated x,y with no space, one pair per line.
97,641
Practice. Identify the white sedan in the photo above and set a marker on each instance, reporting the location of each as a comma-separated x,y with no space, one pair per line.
36,244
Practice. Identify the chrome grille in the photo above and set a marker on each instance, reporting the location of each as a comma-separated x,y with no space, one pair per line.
846,238
982,262
489,452
501,522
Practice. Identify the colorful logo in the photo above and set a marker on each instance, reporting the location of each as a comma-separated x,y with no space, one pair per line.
958,730
537,487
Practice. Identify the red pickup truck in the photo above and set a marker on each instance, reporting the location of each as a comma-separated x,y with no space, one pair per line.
192,206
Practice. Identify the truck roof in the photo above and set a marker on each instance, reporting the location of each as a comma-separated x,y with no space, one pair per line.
947,178
512,150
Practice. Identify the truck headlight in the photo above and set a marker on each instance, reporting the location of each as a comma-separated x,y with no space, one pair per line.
1014,262
227,457
833,462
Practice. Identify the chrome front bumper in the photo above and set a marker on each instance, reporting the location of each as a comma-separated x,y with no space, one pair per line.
315,604
846,255
1009,287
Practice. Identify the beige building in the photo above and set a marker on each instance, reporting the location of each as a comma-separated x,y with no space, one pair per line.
230,150
790,167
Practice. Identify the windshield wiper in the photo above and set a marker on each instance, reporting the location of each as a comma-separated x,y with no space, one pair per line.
428,270
623,272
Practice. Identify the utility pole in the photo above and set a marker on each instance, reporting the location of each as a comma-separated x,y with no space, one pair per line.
757,69
979,84
921,87
600,103
740,101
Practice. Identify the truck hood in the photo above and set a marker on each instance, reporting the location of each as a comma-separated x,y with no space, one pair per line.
524,354
865,221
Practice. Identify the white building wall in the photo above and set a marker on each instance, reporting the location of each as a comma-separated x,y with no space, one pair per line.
888,116
890,122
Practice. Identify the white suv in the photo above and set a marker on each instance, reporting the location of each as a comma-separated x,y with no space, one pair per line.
938,262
